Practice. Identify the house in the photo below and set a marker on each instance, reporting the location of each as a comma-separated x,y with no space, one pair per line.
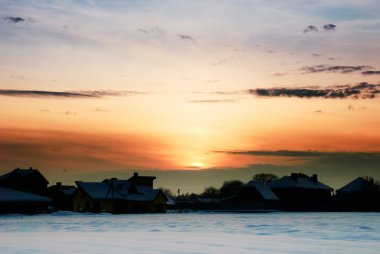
62,195
120,196
27,180
362,194
142,180
254,196
14,201
255,191
301,192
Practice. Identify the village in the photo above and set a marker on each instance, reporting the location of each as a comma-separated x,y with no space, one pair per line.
27,191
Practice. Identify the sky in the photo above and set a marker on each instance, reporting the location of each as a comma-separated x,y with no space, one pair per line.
193,92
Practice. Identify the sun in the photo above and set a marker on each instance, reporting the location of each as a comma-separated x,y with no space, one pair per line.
198,165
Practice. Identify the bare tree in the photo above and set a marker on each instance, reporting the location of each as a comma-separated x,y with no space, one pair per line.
265,178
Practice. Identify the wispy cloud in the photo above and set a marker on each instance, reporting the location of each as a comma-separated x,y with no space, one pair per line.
311,29
334,68
186,37
360,91
14,19
65,94
329,27
294,153
371,72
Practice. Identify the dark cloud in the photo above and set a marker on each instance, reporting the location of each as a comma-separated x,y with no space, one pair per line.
334,68
186,37
359,91
14,19
292,153
371,72
311,29
329,27
65,94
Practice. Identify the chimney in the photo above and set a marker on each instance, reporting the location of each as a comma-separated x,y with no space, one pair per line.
59,184
314,178
294,176
30,168
135,174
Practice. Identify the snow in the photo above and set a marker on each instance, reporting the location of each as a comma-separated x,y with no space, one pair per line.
190,233
263,189
9,195
358,184
302,182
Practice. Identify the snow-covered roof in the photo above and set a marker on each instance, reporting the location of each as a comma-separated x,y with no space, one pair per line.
23,173
359,184
9,195
263,189
98,190
302,182
68,190
122,189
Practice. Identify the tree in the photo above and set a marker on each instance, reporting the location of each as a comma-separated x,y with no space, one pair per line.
265,178
167,192
230,188
210,192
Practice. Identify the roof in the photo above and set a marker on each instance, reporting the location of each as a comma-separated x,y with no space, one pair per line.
68,190
263,189
357,185
9,195
302,182
98,190
122,189
23,173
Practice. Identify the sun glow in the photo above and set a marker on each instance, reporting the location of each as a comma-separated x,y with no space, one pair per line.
197,165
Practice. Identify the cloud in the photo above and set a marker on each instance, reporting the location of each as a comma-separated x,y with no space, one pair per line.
360,91
65,94
329,27
186,37
153,31
371,72
293,153
311,29
334,68
14,19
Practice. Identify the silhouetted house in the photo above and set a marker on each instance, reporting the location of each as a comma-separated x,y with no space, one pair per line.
254,195
142,180
14,201
119,196
28,180
301,192
62,195
362,194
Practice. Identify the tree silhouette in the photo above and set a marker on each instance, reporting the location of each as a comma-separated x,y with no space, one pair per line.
167,192
265,178
210,192
230,188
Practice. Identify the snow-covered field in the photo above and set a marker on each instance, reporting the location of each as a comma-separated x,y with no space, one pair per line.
191,233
